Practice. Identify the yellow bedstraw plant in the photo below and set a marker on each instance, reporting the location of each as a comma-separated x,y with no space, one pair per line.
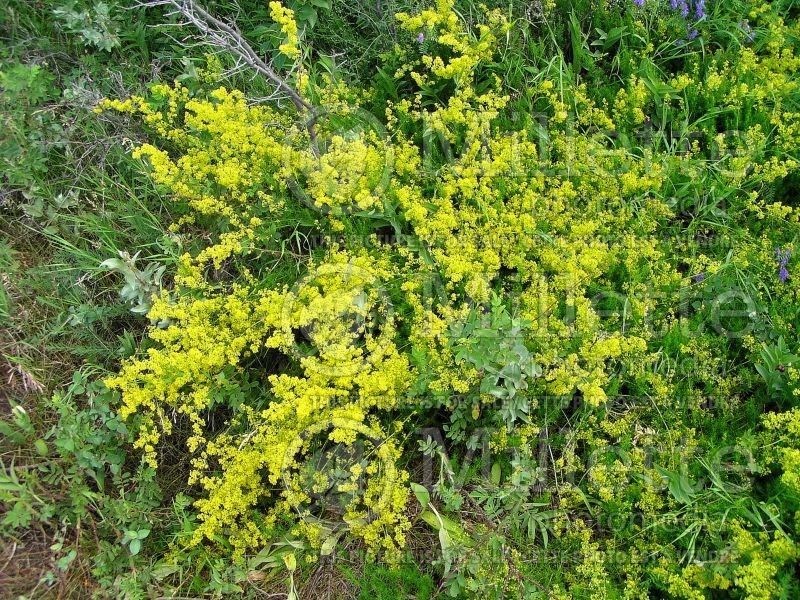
554,226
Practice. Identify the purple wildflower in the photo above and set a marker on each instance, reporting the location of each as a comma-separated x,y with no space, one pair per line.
699,277
421,37
782,256
700,9
674,4
639,3
692,34
684,8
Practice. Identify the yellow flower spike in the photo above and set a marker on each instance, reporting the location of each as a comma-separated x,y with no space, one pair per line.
285,18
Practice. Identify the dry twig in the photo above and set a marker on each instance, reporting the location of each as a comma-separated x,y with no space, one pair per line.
227,36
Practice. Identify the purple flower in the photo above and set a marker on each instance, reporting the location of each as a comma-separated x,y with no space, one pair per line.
699,277
421,37
700,9
674,4
684,8
639,3
692,34
783,256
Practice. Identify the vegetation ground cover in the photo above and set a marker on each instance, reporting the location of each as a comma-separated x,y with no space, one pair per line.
324,299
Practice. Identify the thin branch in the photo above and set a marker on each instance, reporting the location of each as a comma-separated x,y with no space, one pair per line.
227,36
221,34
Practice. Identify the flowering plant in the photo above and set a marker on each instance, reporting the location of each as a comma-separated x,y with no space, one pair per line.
526,262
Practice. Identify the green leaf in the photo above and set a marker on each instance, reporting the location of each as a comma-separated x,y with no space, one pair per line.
63,563
163,571
496,473
444,539
41,447
329,544
422,494
135,546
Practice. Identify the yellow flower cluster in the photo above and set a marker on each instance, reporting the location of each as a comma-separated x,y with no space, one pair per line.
285,18
783,440
442,26
351,369
229,169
